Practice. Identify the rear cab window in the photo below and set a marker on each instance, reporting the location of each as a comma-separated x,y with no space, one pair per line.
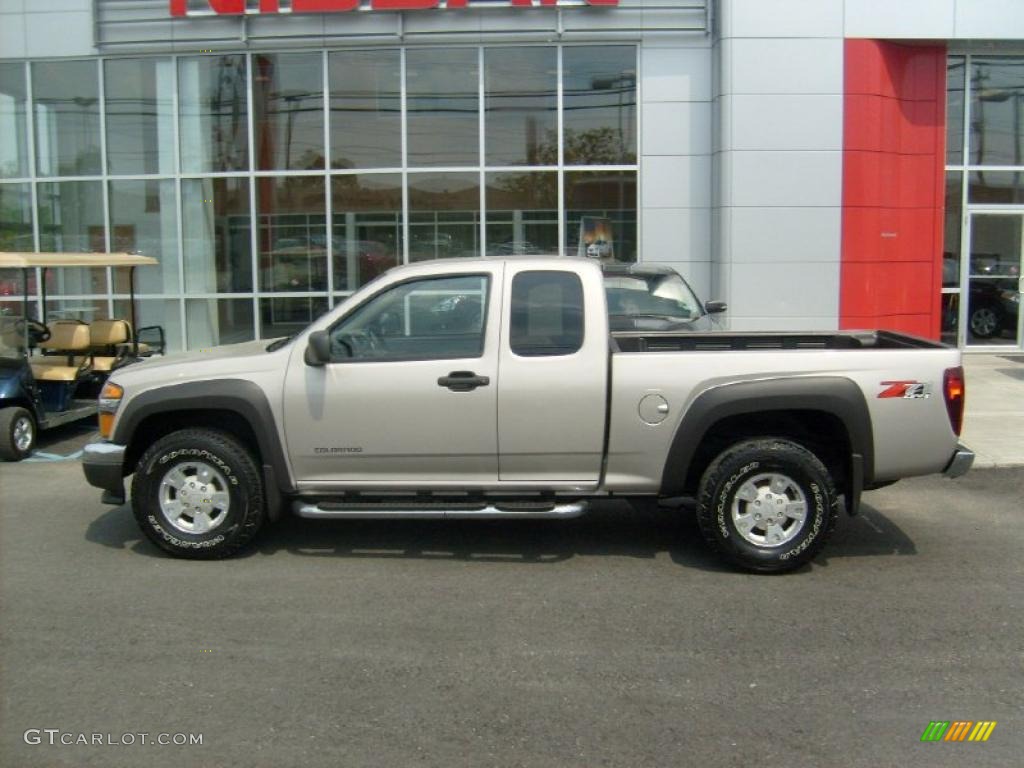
546,313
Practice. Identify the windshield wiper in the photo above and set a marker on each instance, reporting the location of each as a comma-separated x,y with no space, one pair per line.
276,345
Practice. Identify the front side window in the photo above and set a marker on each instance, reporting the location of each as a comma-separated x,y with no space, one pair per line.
430,319
547,314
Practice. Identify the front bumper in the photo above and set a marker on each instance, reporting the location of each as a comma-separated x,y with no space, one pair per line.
960,463
103,464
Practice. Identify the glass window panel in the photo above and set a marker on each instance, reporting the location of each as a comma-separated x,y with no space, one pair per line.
218,249
71,220
144,218
288,315
366,109
156,319
522,213
599,101
997,101
140,115
16,218
429,319
212,102
288,102
85,310
443,104
600,210
447,209
547,314
292,233
367,227
521,106
210,322
13,122
67,118
954,218
955,73
950,316
996,187
994,287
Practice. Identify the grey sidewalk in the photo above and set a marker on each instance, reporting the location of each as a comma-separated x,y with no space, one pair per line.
994,423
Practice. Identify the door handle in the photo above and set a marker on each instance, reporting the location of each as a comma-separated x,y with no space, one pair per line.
463,381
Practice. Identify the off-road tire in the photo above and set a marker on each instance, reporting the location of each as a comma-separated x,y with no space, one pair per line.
12,419
246,509
751,459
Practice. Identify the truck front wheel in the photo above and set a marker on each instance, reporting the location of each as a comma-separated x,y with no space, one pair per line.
767,505
197,494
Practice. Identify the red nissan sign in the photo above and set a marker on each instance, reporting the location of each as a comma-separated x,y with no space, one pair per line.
237,7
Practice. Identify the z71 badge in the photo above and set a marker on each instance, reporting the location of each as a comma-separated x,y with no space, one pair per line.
906,390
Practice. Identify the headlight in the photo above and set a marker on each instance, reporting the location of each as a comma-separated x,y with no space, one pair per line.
1013,296
110,399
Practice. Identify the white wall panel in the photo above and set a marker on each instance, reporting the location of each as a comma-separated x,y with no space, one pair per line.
676,74
790,179
677,234
989,19
783,121
781,18
787,234
910,19
676,128
675,182
761,66
784,289
12,36
67,33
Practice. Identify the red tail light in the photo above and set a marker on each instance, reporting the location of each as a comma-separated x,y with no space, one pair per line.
954,388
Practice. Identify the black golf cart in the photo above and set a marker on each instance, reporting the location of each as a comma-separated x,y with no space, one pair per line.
51,374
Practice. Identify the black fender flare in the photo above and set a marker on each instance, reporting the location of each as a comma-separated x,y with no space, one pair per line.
834,395
238,396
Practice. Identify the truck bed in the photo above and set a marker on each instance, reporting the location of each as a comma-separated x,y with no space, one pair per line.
673,341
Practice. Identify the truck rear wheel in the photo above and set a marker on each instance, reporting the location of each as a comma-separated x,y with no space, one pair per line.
767,505
17,433
197,493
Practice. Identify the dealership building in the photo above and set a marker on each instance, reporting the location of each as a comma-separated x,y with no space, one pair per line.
817,164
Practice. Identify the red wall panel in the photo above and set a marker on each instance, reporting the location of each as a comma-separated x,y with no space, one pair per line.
894,114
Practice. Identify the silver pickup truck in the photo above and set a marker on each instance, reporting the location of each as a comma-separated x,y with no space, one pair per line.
525,388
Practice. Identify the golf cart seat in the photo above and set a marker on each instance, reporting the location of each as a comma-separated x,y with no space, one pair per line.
108,339
65,361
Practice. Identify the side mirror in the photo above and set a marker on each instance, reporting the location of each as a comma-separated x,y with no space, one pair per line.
318,349
715,307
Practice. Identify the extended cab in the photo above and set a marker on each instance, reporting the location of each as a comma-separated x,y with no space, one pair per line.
524,388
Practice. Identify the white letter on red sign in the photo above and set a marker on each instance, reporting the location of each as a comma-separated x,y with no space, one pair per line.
323,6
403,5
228,7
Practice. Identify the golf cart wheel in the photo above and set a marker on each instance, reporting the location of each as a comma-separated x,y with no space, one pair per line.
767,505
198,494
985,321
17,433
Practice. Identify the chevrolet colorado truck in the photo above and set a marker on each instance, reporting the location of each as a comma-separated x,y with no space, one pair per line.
525,388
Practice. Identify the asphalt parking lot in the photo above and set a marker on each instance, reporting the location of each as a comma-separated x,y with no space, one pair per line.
615,639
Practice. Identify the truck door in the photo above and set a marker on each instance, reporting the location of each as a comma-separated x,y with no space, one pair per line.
410,394
553,375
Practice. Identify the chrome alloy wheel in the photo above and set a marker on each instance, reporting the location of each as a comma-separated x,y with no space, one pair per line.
769,509
24,433
194,497
984,322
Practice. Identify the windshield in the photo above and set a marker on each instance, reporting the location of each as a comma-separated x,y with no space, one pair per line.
662,296
12,338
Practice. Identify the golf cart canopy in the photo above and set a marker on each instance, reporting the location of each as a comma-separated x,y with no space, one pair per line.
45,260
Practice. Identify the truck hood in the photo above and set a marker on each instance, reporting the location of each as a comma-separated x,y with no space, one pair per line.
220,361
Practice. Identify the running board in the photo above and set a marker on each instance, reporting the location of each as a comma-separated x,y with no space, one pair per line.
439,511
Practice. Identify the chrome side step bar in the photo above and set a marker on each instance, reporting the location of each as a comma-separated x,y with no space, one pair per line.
456,511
